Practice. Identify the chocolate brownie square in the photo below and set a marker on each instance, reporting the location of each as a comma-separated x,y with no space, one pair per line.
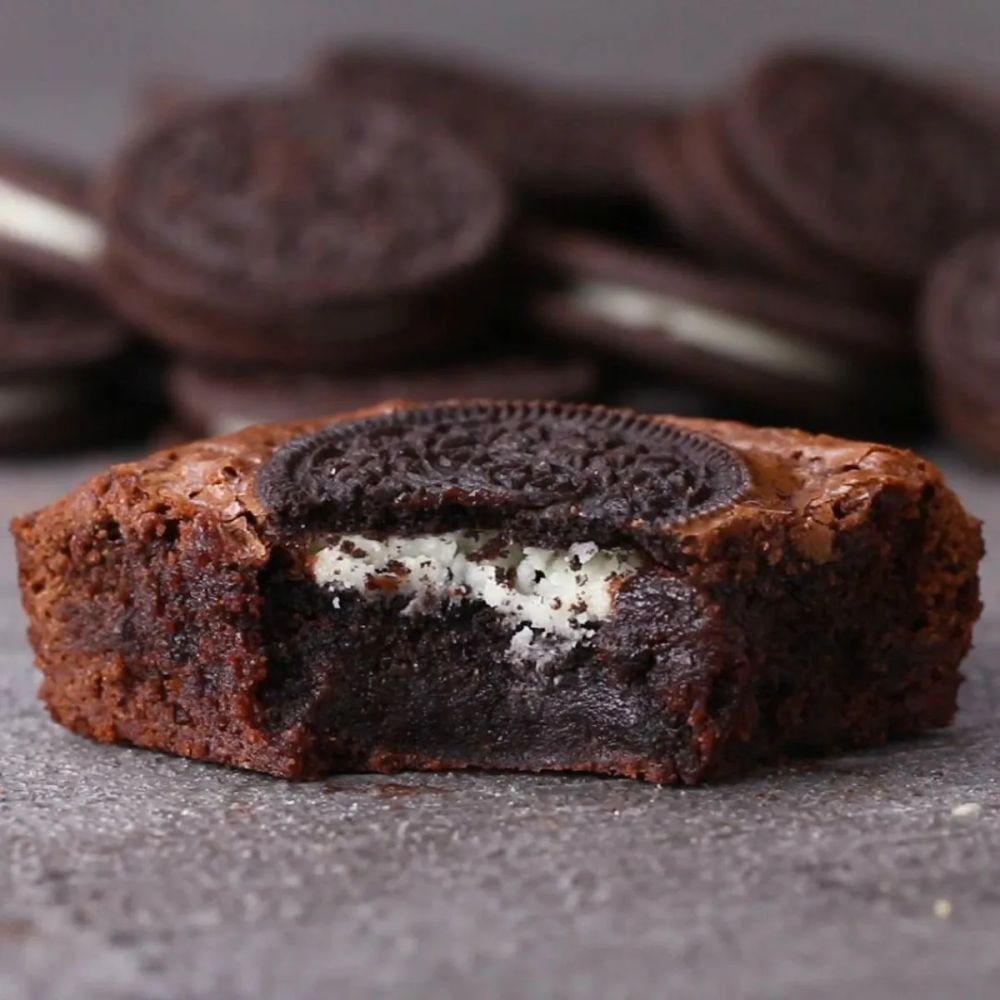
522,586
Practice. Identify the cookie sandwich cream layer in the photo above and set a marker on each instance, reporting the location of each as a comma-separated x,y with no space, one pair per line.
713,330
30,218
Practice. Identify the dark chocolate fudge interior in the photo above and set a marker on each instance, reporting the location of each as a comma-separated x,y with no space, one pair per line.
488,583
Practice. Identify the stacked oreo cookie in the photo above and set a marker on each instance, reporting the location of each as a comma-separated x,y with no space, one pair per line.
563,155
63,356
411,226
764,248
844,180
961,328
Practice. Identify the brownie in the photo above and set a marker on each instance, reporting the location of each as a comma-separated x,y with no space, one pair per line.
523,586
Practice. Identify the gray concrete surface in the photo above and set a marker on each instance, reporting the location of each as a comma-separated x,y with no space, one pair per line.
128,874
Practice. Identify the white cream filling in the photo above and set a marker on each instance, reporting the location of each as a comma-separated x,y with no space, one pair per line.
28,400
555,596
711,330
26,217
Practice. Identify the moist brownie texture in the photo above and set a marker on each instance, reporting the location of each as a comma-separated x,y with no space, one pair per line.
526,586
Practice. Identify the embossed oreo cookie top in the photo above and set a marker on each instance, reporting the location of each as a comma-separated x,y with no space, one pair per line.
287,201
543,473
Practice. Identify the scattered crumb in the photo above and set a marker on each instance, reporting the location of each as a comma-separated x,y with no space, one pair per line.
942,908
967,810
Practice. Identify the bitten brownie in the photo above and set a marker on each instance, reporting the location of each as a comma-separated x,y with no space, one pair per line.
523,586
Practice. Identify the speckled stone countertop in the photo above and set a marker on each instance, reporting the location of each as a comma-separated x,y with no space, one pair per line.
130,874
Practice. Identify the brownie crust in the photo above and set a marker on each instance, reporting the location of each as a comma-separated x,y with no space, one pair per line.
829,607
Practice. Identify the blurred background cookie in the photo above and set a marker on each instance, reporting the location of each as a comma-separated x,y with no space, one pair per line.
752,342
961,338
60,361
399,220
691,172
68,373
296,230
46,218
879,166
564,154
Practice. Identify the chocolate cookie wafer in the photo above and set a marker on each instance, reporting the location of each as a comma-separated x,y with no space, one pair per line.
748,339
47,224
737,225
961,339
59,357
875,164
62,350
299,230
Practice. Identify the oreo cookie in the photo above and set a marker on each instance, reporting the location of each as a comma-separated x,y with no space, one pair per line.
61,349
746,339
961,340
676,189
697,181
879,167
57,346
212,402
556,149
300,229
541,472
47,225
